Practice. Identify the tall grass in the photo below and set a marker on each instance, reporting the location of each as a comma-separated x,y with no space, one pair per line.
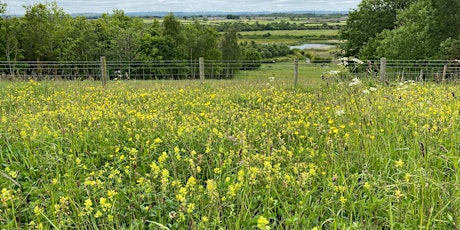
234,154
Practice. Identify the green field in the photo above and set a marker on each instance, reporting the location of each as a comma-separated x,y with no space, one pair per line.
261,20
297,33
309,74
290,37
248,153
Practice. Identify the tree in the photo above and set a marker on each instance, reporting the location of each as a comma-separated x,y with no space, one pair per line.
82,41
229,46
43,33
364,23
230,52
424,30
443,23
103,35
202,41
367,21
2,8
450,49
126,36
408,41
251,59
155,46
173,28
9,43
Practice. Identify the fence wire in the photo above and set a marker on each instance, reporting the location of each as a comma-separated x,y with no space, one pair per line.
417,70
213,69
123,70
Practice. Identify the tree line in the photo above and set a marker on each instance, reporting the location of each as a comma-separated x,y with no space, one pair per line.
46,33
283,25
403,29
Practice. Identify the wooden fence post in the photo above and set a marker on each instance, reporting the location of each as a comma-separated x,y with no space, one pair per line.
444,72
296,71
383,69
421,75
104,70
201,70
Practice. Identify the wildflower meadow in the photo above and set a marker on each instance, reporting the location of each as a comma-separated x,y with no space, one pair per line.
229,155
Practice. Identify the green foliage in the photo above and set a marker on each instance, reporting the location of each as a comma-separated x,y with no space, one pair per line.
364,23
126,36
2,8
268,51
157,47
443,21
47,33
450,48
201,41
84,41
229,46
231,16
173,28
401,30
251,59
399,43
230,51
43,32
9,43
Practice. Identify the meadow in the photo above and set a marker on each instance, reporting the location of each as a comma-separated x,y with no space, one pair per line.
309,33
248,153
314,21
290,37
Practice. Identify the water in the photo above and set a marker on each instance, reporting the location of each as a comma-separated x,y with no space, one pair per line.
312,46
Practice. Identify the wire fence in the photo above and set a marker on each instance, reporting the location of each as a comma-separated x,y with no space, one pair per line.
123,70
393,70
416,70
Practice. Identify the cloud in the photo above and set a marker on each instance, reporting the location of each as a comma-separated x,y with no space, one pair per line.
100,6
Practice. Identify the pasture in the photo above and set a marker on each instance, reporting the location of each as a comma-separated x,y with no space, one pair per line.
309,33
248,153
291,37
314,21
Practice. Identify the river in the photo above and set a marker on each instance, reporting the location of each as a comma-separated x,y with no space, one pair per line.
312,46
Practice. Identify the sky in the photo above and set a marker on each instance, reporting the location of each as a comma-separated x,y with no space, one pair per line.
104,6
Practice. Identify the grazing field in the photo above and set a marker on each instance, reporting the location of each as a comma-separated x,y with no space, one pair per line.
309,33
333,21
291,37
249,153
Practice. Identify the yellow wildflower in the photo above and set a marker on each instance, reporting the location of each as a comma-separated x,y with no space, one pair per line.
262,223
399,163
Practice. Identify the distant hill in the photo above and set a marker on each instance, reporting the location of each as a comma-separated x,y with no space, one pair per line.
219,13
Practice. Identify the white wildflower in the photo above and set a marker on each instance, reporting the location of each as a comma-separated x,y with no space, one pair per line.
354,81
334,72
340,112
366,91
373,89
357,61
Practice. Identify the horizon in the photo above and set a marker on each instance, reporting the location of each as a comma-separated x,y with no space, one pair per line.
15,7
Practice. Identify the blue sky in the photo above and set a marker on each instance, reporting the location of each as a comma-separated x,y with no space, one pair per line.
103,6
